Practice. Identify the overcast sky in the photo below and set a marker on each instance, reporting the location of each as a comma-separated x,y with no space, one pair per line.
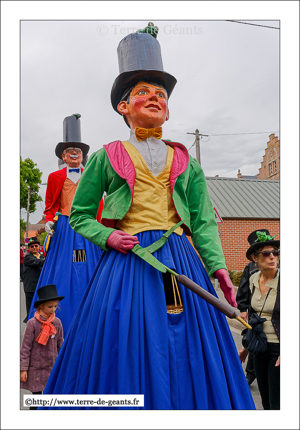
227,85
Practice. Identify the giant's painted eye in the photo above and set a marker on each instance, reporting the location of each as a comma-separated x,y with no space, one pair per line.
142,92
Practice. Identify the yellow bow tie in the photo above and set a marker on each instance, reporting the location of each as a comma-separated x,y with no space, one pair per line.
144,133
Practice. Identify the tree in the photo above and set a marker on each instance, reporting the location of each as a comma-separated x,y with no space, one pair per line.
41,235
29,176
22,229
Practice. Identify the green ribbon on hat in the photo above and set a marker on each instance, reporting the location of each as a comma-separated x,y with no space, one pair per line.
150,29
262,236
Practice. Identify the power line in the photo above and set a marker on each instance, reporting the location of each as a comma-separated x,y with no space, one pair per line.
249,23
238,134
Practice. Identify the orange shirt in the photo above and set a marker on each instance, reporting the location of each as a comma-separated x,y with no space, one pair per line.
66,197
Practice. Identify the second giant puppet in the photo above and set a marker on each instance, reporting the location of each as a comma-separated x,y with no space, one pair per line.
71,259
137,332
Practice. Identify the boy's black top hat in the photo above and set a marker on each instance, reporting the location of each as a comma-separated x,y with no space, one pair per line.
71,136
258,239
139,58
32,241
47,293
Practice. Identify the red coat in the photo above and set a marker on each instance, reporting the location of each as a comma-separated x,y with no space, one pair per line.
54,186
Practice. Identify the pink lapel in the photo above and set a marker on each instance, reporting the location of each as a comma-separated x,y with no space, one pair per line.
121,162
180,161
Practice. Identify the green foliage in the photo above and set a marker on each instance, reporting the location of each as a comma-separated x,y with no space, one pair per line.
42,237
235,276
29,176
22,230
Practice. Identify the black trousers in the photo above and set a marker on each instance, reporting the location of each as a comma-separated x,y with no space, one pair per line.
268,376
250,366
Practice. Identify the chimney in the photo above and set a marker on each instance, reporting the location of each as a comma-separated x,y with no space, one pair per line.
239,175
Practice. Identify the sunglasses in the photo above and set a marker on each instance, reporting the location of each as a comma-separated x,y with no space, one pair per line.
33,246
276,253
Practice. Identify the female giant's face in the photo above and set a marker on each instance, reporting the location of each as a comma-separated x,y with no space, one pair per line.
266,259
148,106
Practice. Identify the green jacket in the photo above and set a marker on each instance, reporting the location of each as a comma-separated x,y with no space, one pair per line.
110,169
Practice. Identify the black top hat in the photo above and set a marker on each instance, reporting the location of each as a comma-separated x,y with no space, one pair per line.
139,58
71,136
47,293
259,238
32,241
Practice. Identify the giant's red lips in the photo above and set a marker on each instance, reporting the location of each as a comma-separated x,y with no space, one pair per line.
153,105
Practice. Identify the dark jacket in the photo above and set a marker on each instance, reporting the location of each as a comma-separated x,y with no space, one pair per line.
243,294
32,267
39,359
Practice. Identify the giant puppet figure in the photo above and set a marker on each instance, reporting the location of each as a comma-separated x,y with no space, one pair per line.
136,332
71,259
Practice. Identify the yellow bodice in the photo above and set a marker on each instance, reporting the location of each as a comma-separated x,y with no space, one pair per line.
152,207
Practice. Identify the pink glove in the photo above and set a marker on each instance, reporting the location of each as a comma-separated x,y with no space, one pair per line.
121,241
226,286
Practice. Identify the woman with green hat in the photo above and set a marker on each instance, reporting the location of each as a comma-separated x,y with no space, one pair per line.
265,299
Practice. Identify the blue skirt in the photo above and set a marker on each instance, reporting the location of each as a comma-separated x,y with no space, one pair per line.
122,340
71,278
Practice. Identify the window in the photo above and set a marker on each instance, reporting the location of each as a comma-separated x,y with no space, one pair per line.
275,168
271,169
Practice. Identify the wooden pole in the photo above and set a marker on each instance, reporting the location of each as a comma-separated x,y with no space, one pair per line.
28,205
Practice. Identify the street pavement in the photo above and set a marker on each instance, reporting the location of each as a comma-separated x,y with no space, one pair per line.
235,327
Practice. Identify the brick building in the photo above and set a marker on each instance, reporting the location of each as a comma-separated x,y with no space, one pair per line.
33,228
244,205
270,166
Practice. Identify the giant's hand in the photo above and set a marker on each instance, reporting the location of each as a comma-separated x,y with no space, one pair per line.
48,227
121,241
226,286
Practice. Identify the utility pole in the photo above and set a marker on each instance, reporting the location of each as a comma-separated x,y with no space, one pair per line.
197,143
28,204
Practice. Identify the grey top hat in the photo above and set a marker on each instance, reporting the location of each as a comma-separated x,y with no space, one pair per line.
139,58
71,136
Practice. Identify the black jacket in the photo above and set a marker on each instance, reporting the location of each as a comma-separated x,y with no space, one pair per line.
31,271
243,294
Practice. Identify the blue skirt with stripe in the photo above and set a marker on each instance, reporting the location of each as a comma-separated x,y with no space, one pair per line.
122,340
71,278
